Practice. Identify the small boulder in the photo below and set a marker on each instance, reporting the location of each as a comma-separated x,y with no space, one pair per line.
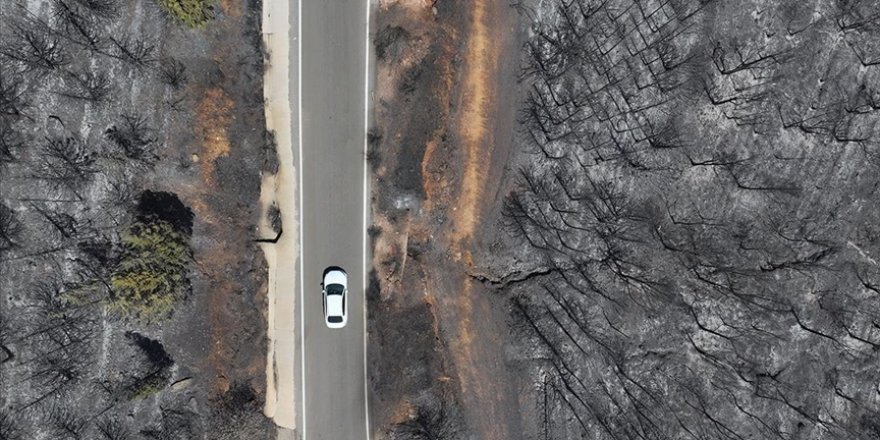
181,384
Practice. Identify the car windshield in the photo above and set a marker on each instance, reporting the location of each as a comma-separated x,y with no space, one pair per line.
334,319
334,289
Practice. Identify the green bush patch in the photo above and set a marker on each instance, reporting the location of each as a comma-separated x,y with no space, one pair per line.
147,387
192,13
152,274
150,377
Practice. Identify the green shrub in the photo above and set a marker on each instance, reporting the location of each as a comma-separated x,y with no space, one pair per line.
148,387
151,275
193,13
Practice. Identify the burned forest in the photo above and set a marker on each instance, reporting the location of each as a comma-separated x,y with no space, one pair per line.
694,211
587,219
111,181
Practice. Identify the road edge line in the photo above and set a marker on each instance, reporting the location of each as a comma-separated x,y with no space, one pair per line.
366,206
302,324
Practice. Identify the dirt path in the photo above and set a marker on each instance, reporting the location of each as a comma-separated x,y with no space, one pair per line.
478,101
491,55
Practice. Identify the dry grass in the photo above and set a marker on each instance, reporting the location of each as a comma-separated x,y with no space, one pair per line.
231,8
214,115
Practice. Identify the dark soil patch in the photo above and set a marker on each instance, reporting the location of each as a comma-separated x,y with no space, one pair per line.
390,41
425,107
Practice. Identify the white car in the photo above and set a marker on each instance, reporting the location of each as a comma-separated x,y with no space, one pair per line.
335,290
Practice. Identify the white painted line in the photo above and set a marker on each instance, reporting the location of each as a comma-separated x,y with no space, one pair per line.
366,205
302,275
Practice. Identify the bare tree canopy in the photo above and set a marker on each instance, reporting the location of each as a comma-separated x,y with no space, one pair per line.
10,228
697,204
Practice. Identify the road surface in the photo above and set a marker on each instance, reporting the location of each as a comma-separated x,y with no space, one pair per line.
332,73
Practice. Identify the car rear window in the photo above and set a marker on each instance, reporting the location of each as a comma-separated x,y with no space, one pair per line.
334,319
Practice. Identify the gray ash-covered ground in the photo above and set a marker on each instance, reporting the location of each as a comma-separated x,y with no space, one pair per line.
697,200
684,241
131,149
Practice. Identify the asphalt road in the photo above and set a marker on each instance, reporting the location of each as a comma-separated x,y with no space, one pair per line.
333,61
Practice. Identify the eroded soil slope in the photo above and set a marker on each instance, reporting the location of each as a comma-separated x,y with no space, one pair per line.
445,108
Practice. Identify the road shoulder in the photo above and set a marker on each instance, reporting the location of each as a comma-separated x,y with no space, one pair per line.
280,188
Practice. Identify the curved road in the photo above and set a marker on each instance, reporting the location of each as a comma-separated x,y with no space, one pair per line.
332,119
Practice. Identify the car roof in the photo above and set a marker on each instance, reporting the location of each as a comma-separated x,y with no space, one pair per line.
334,305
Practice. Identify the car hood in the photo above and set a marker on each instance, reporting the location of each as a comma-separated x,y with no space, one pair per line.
336,277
